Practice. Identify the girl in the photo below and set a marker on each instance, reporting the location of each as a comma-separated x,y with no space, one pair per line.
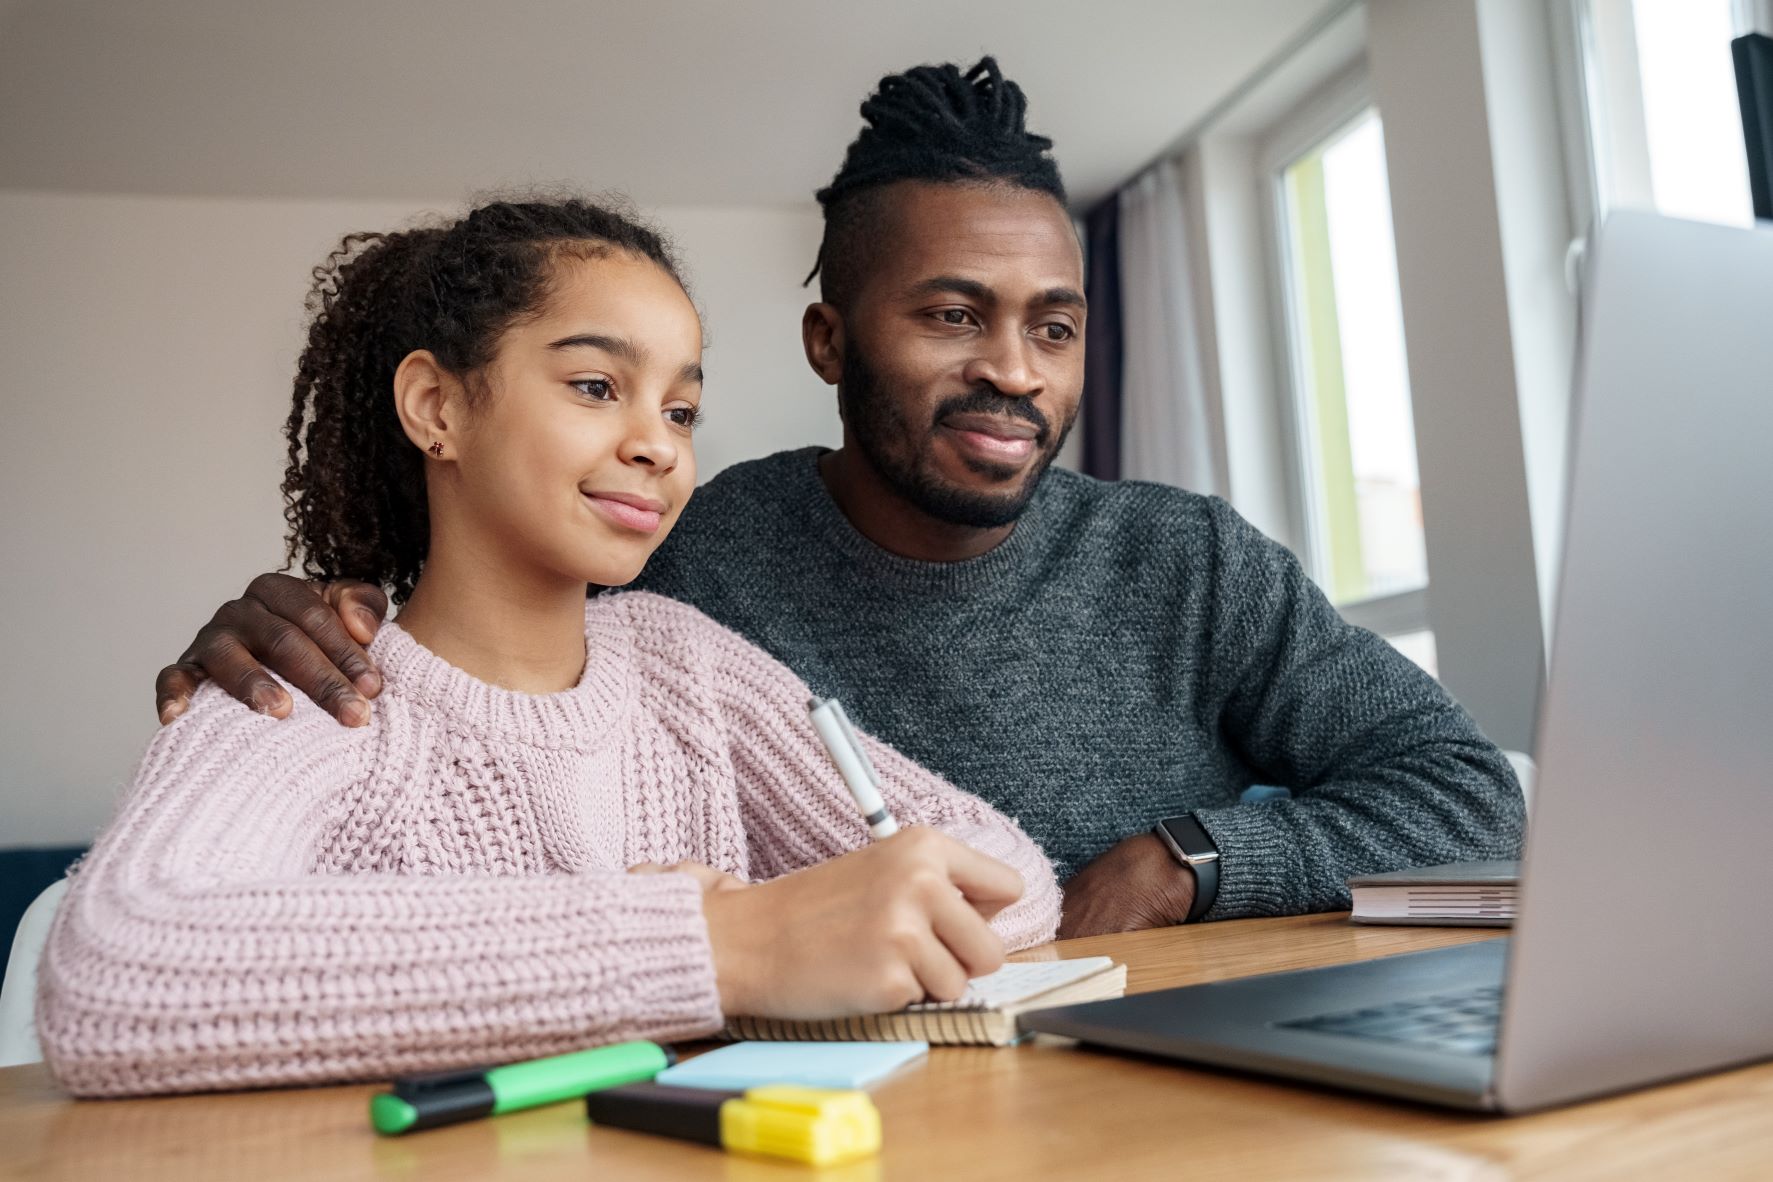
488,416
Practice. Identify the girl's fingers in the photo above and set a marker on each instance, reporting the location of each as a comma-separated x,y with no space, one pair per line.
942,976
969,939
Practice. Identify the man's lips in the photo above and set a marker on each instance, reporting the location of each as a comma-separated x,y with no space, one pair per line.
996,426
993,437
628,510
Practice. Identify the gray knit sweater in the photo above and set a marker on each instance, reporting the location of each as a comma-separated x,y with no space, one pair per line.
1131,652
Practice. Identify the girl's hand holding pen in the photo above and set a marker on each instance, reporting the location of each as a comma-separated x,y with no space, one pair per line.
893,923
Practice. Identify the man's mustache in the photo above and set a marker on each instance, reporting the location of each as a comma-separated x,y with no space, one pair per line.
986,400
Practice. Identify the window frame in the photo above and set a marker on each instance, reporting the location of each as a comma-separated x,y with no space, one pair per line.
1572,41
1317,117
1607,157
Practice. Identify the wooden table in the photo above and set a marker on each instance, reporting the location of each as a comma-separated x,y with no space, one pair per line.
1044,1110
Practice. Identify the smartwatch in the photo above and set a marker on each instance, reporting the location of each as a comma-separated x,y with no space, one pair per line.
1194,849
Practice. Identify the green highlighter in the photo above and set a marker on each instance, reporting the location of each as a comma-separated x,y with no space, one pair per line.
450,1097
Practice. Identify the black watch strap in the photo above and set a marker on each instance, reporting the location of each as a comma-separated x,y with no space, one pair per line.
1191,845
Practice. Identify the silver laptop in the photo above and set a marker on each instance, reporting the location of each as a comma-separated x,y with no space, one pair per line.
1643,950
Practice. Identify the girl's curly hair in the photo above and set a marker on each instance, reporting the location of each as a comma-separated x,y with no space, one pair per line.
354,486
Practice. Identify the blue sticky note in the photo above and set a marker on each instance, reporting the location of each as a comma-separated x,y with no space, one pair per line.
808,1064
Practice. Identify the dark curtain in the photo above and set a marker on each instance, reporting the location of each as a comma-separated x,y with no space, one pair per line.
1102,343
1754,87
24,874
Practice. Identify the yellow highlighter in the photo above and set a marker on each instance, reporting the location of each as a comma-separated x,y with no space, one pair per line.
818,1126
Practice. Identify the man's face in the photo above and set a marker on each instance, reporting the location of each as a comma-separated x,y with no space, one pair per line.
963,348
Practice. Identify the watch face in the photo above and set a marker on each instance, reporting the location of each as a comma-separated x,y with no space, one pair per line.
1188,837
1167,832
1189,840
1194,848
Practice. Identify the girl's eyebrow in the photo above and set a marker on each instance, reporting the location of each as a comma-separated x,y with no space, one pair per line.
629,351
621,347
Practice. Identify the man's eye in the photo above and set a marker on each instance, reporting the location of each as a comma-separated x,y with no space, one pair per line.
1058,332
596,389
954,316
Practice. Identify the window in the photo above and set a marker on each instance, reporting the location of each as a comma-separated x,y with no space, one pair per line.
1360,501
1663,120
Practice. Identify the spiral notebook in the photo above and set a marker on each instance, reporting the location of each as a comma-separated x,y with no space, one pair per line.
985,1016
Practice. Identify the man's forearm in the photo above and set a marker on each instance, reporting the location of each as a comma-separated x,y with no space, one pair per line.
1386,769
1448,802
1133,885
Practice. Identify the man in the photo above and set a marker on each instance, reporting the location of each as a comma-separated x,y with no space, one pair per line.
1091,658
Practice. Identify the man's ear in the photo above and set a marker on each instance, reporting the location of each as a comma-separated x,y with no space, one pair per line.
427,399
821,332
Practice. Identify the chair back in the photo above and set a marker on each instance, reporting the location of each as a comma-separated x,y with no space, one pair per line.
18,993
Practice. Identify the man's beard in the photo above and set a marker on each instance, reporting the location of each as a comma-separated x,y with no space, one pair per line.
899,449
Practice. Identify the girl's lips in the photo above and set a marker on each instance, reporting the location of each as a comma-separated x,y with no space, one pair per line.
635,513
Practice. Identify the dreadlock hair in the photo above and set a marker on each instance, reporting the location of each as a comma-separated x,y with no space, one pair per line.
931,123
354,486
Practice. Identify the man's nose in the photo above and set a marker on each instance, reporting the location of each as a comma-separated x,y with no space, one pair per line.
1008,367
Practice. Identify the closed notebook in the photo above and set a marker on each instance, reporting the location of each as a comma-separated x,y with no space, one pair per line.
986,1016
1459,894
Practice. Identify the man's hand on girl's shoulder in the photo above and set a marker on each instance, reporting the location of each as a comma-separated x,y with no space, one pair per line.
312,636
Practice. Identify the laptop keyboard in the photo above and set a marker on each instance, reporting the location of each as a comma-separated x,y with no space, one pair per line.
1463,1022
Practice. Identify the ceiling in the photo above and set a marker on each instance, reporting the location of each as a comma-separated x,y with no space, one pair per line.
676,102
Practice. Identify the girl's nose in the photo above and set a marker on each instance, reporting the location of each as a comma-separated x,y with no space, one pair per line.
648,443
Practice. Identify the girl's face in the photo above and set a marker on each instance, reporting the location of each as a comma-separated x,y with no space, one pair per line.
576,459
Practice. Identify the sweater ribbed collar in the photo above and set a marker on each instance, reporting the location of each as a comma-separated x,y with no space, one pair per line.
576,718
964,577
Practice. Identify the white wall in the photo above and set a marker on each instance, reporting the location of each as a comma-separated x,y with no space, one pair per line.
1465,303
146,348
1229,197
1533,218
745,267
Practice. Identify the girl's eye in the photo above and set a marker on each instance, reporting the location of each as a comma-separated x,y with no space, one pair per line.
688,417
1058,332
596,389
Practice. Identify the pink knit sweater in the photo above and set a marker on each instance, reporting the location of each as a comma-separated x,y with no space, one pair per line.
297,902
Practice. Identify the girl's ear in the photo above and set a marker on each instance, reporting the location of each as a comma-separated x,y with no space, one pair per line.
426,398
